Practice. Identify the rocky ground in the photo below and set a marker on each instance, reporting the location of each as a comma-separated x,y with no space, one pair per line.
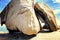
40,36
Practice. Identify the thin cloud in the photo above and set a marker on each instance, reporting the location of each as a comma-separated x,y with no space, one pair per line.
58,22
56,11
56,1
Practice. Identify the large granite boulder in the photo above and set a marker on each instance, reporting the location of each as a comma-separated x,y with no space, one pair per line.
27,17
47,14
21,16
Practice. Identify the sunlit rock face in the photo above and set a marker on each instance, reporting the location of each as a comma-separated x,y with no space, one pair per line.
21,15
49,15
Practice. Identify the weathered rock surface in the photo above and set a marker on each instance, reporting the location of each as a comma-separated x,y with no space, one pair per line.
21,16
47,15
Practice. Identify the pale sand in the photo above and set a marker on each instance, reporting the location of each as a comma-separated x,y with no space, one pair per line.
48,36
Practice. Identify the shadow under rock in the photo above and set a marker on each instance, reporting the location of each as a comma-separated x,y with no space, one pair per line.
45,31
19,36
16,36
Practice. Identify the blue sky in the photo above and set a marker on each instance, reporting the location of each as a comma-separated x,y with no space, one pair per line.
53,4
3,3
